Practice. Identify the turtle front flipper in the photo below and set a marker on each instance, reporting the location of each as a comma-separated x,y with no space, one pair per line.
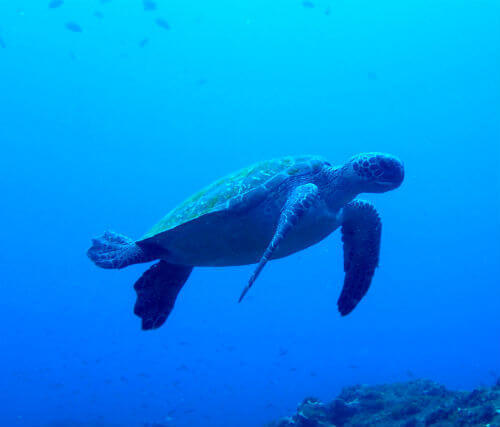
361,232
157,290
299,201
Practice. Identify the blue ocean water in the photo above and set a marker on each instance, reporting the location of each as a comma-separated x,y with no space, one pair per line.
115,111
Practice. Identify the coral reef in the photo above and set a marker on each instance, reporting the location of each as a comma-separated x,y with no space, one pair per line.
410,404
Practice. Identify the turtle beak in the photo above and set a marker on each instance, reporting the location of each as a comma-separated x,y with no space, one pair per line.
393,172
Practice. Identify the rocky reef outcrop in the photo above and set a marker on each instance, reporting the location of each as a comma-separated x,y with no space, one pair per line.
410,404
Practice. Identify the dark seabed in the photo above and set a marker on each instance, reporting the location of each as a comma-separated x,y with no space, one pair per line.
114,112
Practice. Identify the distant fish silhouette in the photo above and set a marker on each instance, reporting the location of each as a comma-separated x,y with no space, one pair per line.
283,352
56,386
143,42
162,23
54,4
73,26
98,14
307,3
148,5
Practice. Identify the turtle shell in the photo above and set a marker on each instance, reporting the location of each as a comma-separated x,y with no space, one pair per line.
238,191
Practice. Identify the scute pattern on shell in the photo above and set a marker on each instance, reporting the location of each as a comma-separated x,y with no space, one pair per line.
230,190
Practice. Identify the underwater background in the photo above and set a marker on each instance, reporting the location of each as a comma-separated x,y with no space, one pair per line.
112,112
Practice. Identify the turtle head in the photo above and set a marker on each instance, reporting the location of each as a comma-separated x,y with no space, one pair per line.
374,172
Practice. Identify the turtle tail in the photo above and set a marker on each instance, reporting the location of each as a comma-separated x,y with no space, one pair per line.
113,250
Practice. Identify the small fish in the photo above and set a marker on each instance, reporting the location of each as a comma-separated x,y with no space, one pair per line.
162,23
328,11
149,5
98,14
308,4
143,42
56,386
73,26
54,4
283,352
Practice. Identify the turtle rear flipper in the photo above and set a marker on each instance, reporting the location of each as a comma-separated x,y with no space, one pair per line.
113,250
157,290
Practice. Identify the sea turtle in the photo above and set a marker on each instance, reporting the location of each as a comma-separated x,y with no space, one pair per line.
266,211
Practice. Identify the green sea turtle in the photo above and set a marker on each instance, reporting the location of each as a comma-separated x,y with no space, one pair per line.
266,211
